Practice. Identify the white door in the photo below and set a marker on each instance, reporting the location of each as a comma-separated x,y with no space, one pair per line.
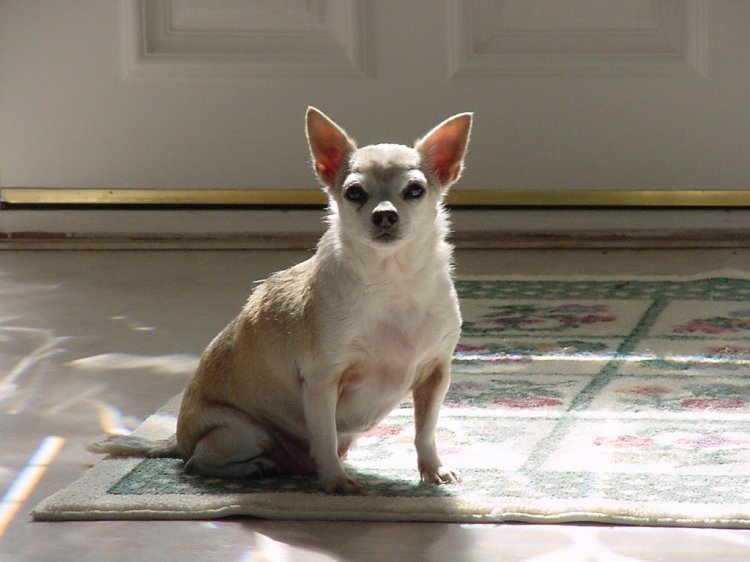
210,94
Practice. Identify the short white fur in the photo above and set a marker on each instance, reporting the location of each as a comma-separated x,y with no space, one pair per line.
323,351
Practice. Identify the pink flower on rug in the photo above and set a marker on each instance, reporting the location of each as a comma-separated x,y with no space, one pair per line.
588,319
648,390
465,348
714,403
703,327
529,402
585,314
384,431
626,441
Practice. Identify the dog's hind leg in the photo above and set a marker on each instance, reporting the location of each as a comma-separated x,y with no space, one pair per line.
238,448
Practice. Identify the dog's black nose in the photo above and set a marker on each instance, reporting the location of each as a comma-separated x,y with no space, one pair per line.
384,219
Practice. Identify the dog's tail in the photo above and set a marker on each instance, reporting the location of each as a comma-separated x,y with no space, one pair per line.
132,446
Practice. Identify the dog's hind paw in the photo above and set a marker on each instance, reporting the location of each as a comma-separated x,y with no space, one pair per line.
261,467
344,485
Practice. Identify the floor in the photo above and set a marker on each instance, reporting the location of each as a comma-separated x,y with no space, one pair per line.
66,315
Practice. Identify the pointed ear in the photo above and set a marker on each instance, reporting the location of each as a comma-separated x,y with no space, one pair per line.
329,145
444,147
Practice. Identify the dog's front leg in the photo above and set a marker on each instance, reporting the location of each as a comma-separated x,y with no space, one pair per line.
428,395
320,397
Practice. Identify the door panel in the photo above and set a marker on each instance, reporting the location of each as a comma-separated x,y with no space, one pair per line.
187,94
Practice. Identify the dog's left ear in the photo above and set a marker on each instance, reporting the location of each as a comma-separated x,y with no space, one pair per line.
443,148
329,145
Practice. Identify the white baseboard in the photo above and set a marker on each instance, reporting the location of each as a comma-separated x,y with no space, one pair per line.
299,229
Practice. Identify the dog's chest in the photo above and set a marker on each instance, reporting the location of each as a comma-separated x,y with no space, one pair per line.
398,328
392,340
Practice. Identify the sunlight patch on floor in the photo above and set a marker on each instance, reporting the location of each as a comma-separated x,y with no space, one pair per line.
28,478
177,364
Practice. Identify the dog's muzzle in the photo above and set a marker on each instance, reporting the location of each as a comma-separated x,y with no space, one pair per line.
384,219
385,222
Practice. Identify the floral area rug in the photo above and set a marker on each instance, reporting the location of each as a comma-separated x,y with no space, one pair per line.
620,401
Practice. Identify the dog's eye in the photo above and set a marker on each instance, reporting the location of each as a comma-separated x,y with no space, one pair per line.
356,194
413,191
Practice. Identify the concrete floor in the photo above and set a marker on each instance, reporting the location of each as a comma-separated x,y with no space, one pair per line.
147,316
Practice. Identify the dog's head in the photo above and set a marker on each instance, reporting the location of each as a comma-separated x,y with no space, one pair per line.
386,194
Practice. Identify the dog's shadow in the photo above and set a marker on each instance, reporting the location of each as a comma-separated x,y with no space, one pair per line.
167,476
370,531
342,535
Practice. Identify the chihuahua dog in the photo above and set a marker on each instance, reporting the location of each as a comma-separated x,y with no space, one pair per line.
323,351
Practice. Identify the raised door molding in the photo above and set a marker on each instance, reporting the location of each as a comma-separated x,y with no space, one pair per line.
182,38
577,36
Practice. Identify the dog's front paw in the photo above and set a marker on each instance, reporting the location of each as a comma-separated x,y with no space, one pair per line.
441,475
343,485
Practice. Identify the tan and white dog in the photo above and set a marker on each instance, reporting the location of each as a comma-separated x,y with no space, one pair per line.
323,351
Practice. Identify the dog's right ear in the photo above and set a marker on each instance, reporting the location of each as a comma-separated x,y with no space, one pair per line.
329,146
